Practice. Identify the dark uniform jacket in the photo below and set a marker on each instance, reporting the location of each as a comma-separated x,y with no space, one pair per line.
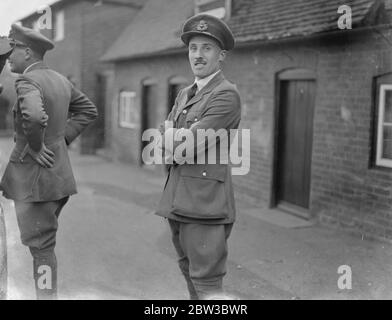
45,96
203,193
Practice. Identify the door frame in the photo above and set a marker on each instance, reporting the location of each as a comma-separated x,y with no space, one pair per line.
147,82
285,75
101,89
174,81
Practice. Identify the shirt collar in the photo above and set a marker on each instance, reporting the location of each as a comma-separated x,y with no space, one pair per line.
201,83
30,66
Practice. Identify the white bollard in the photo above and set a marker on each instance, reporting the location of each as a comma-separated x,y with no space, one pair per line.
3,257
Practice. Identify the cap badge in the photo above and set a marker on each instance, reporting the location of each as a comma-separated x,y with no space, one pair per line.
202,26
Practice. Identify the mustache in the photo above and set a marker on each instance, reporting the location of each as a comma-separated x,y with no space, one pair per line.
200,61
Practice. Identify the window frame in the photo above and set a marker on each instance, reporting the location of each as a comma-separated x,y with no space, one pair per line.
380,161
35,25
129,122
59,33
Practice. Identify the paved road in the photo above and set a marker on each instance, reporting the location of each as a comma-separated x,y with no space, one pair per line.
112,246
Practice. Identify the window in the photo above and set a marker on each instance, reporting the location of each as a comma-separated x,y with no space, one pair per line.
36,26
384,127
218,8
59,26
127,110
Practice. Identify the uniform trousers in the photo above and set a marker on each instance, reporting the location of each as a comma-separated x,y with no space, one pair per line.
202,252
38,223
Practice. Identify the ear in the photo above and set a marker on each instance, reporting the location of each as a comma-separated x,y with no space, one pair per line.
222,55
28,53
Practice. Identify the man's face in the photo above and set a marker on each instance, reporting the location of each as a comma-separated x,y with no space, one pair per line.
17,59
204,56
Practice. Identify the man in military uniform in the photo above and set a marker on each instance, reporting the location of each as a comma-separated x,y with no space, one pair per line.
198,199
39,176
5,50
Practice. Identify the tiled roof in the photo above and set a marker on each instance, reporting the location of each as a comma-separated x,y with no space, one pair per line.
157,26
276,19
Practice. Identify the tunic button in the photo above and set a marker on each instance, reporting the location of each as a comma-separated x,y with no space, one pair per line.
204,173
184,112
195,119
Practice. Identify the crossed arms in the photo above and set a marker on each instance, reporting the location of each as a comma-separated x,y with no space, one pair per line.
222,112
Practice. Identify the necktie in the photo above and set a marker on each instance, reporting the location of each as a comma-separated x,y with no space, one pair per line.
192,92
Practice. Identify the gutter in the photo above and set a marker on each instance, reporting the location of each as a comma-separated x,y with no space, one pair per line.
113,2
165,52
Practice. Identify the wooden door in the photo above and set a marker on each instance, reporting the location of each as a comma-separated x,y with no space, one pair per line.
295,133
99,124
149,101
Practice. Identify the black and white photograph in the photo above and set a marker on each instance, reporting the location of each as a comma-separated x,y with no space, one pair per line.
203,150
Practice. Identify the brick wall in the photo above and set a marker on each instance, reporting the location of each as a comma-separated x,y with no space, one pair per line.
346,191
89,32
101,27
66,58
129,77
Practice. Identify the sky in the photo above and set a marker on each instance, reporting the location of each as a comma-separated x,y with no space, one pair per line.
13,10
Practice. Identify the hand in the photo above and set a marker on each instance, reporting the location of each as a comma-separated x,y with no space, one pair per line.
44,157
194,125
164,126
44,120
161,129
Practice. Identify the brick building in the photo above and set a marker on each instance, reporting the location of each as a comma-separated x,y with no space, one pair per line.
82,30
315,97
